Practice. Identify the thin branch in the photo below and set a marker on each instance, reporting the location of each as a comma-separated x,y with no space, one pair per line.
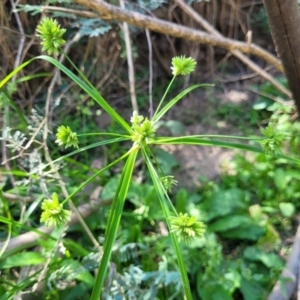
256,68
130,63
150,72
82,13
110,12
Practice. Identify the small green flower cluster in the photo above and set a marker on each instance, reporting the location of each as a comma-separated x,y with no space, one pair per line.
66,137
274,139
142,129
53,212
51,34
186,227
168,182
182,65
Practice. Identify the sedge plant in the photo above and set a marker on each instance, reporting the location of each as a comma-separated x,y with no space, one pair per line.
141,131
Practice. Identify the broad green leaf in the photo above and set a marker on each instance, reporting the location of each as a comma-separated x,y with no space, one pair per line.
182,200
176,127
280,179
270,260
80,291
75,248
250,232
287,209
22,259
213,291
224,202
262,103
230,222
166,160
251,290
140,193
271,240
110,188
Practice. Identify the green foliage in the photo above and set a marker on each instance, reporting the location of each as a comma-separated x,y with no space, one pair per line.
228,228
260,20
151,5
91,27
266,94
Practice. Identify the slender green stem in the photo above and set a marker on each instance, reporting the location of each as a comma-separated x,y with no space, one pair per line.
145,152
104,134
114,221
161,195
191,140
163,98
254,138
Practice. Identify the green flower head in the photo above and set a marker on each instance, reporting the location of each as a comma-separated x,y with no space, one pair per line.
274,139
53,212
182,65
186,227
168,182
50,33
66,137
142,129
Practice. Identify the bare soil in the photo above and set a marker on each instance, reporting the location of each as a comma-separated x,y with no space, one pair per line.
200,112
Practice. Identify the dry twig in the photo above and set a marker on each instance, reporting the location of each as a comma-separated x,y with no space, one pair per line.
256,68
110,12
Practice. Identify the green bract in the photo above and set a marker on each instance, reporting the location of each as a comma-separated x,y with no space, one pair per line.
50,33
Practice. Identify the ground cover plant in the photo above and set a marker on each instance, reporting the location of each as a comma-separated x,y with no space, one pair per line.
227,210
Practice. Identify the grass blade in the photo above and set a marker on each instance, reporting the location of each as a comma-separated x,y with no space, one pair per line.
161,195
114,221
169,105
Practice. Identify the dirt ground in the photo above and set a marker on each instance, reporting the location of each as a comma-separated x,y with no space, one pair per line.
198,161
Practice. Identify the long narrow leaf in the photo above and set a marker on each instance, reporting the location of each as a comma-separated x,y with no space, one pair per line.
168,106
192,140
114,221
161,195
90,91
82,149
15,107
14,72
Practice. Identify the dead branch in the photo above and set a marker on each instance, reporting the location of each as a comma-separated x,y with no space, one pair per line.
110,12
247,61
